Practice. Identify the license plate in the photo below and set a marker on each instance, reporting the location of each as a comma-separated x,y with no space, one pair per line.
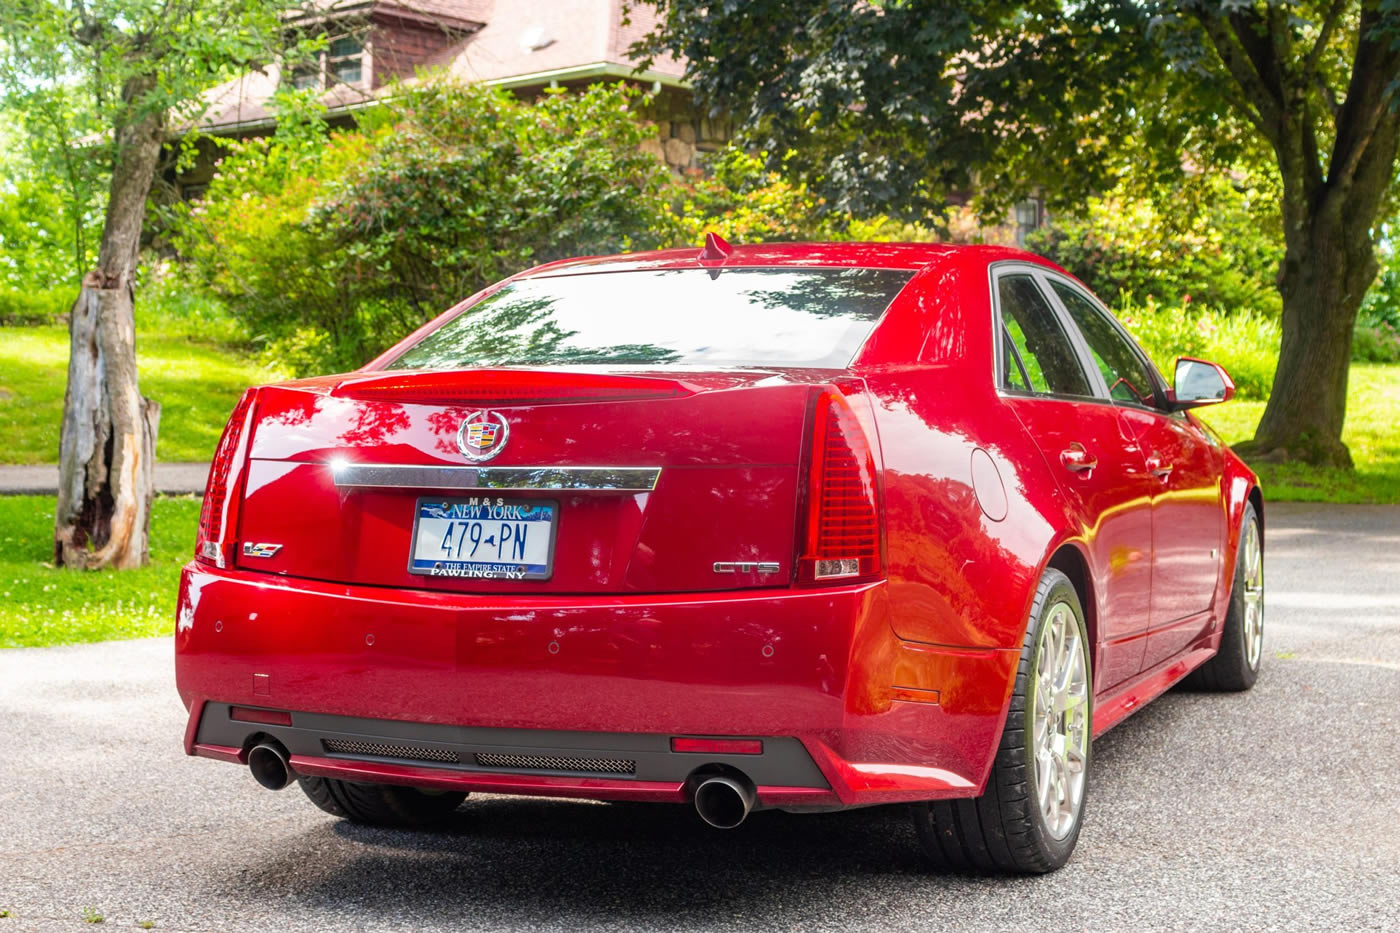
485,538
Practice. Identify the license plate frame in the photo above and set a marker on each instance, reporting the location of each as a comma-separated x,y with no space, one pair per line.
461,569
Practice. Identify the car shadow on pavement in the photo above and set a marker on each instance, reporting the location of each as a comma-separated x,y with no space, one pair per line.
501,861
499,857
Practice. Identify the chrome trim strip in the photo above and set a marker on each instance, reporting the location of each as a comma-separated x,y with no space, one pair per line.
627,479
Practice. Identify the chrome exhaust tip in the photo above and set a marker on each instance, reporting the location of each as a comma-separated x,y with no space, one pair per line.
724,802
268,762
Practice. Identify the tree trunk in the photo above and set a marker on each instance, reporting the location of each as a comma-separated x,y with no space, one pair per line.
106,454
1330,202
1323,282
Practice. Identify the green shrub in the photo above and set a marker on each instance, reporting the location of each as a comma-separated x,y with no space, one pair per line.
25,306
1209,247
744,202
170,304
39,231
1382,302
1377,335
1245,343
330,248
299,351
1376,343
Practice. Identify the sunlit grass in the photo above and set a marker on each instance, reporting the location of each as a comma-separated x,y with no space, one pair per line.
196,382
41,605
1372,433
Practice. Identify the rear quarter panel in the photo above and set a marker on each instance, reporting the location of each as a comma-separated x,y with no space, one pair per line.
963,555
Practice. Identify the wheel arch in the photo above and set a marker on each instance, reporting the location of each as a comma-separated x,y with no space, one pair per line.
1070,560
1240,487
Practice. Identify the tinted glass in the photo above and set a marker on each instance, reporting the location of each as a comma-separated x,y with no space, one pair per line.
739,317
1042,349
1123,370
1015,377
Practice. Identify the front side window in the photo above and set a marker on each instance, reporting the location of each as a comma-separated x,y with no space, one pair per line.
815,318
1039,352
1124,372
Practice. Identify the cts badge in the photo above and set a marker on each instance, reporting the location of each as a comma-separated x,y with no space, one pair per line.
260,550
483,435
747,566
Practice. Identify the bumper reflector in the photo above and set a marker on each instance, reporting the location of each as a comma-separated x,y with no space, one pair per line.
718,746
266,717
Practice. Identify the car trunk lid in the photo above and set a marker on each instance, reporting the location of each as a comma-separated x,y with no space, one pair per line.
649,481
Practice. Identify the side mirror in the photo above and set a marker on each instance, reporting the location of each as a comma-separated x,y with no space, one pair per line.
1199,382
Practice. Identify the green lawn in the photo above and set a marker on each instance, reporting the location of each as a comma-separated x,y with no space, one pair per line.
197,383
1372,432
40,605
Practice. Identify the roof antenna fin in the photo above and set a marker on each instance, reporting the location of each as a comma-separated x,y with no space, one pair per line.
716,249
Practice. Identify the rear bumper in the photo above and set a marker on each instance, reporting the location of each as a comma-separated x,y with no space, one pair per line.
569,764
861,716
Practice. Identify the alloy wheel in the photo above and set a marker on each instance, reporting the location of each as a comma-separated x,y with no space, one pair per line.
1252,554
1060,717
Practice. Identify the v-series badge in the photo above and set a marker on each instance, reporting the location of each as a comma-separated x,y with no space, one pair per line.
260,550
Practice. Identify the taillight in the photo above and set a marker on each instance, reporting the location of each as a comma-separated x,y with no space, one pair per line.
214,516
843,507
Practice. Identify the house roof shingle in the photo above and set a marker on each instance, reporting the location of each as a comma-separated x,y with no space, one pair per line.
574,33
522,43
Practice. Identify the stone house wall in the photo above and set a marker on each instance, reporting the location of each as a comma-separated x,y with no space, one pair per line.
684,134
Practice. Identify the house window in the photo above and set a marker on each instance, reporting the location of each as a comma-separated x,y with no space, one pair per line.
306,76
346,57
1029,216
342,62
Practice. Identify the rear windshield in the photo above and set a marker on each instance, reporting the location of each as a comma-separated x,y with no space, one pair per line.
735,317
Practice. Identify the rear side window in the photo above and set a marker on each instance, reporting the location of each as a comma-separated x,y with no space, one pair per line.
1014,376
695,317
1123,371
1039,352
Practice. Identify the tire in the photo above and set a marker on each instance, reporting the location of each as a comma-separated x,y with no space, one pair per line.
380,804
1009,827
1235,666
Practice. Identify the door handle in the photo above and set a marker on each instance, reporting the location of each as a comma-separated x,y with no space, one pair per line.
1159,468
1077,460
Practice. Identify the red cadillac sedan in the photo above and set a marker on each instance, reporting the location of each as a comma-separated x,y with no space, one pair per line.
801,526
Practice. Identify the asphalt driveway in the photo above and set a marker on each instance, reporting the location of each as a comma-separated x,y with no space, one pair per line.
1276,809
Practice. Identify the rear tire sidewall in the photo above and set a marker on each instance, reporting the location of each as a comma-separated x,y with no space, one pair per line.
381,804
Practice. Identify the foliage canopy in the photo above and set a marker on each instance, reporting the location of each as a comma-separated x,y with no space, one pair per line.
332,247
1203,244
897,104
102,80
